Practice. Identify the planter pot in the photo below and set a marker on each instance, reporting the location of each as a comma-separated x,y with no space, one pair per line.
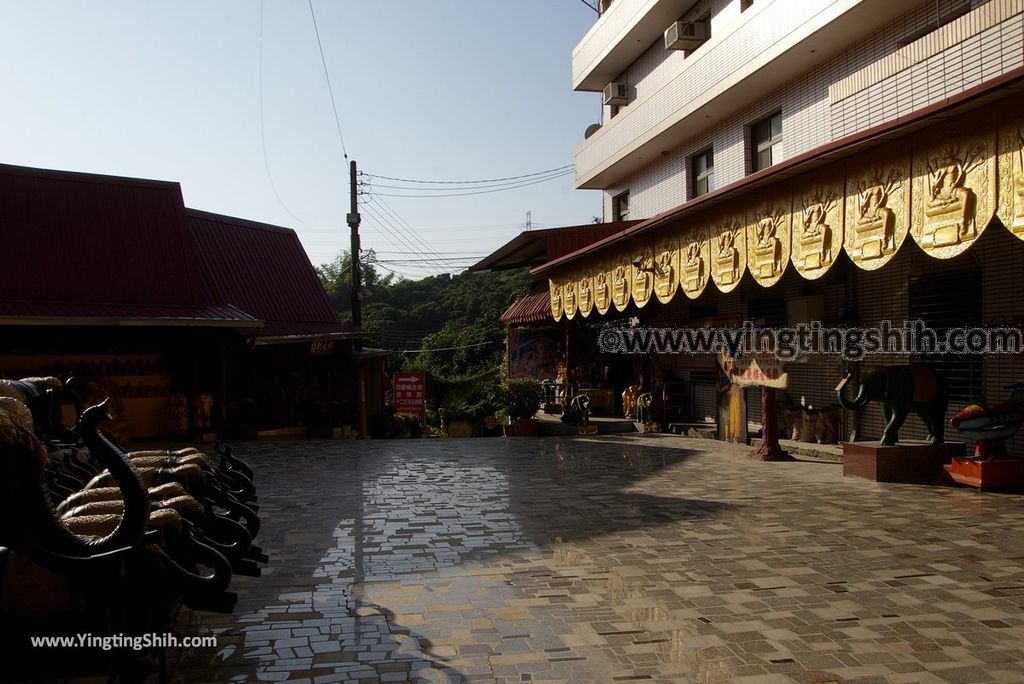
524,427
460,428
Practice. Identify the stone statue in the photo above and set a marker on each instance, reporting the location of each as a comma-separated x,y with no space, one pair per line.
900,390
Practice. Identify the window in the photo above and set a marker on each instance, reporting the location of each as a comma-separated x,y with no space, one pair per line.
620,206
944,301
703,169
766,142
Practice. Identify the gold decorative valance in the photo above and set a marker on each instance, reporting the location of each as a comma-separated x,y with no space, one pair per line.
1011,166
817,222
941,185
954,186
768,229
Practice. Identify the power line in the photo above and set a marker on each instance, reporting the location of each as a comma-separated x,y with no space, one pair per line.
412,231
327,77
413,188
417,351
593,7
469,182
263,133
406,238
385,224
478,192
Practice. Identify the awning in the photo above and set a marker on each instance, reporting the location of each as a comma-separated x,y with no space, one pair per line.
531,308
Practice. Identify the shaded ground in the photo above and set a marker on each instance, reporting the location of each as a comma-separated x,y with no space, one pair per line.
613,559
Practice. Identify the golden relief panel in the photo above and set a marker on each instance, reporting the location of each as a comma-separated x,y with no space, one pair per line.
569,300
877,205
621,277
768,228
817,222
603,287
694,261
666,268
585,291
1011,166
642,283
728,251
556,298
954,185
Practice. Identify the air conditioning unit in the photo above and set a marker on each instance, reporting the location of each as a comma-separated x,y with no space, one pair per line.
616,94
686,35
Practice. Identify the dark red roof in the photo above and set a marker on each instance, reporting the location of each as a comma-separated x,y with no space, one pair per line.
535,247
98,248
264,270
531,308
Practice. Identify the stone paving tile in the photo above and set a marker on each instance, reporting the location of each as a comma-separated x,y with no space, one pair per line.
612,559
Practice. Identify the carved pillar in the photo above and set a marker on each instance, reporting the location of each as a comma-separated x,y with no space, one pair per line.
769,449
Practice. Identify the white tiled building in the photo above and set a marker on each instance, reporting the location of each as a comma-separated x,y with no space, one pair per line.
830,68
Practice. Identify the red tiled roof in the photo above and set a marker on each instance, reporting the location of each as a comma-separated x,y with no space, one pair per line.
264,270
81,247
531,308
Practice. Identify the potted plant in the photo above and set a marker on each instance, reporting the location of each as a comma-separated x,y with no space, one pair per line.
523,397
458,421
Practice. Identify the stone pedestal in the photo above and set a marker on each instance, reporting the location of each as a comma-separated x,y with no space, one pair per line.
913,462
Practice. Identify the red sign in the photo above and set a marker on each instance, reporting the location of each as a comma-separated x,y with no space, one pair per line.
410,394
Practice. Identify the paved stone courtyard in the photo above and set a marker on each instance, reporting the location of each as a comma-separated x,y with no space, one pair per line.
620,558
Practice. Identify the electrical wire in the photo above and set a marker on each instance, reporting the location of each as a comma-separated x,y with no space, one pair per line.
417,351
478,192
263,132
485,180
506,184
327,77
412,231
387,226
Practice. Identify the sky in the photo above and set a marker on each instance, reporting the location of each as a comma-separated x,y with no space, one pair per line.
187,91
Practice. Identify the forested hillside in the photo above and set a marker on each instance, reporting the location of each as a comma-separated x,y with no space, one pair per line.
453,319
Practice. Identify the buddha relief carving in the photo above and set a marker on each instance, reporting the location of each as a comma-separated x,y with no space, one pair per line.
1011,171
665,275
695,269
874,231
643,279
602,291
569,299
556,299
819,221
949,212
621,276
728,252
585,295
768,247
768,241
954,183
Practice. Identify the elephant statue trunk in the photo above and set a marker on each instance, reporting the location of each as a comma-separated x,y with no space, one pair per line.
858,402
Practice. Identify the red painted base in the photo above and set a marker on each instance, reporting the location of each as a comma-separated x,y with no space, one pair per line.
994,474
905,462
588,429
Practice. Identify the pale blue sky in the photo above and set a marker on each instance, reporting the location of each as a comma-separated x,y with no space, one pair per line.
441,90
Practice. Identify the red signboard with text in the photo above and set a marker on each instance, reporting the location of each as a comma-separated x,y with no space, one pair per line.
410,394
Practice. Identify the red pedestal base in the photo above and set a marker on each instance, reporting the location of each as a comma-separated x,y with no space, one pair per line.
994,474
912,463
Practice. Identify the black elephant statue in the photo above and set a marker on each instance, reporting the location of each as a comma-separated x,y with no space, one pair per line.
900,390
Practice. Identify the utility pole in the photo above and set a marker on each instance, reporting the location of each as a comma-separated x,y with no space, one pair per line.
353,223
357,313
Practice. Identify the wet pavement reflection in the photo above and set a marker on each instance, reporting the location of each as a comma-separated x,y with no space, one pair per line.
612,559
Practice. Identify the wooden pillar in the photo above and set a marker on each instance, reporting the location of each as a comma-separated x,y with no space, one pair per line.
361,398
